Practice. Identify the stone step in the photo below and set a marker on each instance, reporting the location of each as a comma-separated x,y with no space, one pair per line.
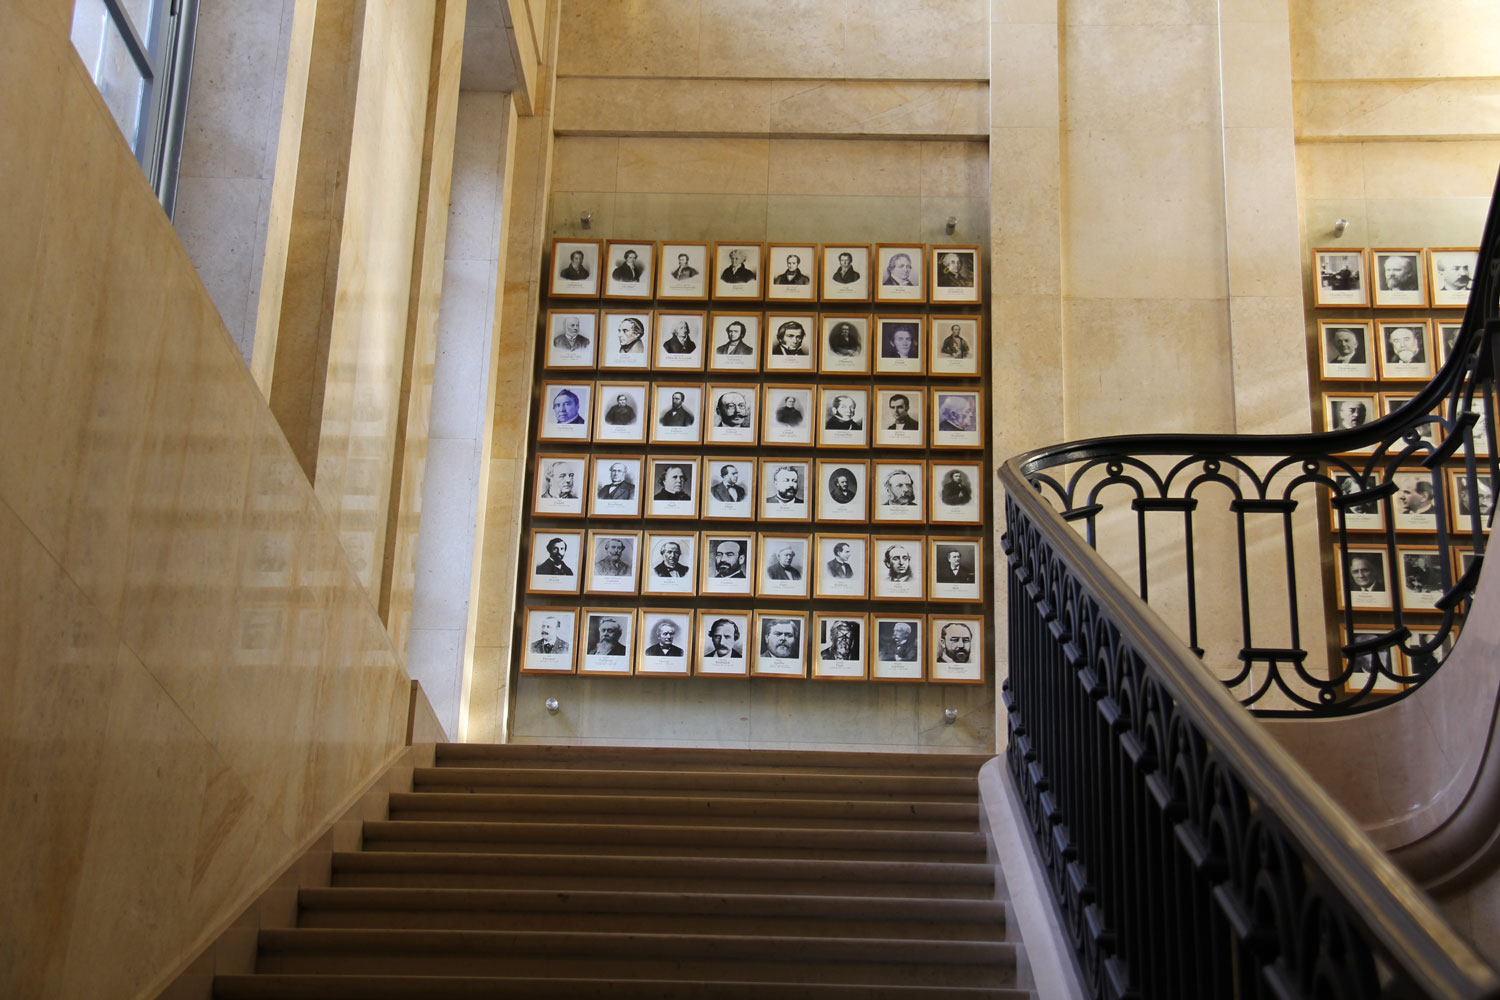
627,873
592,781
654,913
696,759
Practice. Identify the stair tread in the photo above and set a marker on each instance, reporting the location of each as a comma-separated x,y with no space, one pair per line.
691,782
958,764
575,801
394,829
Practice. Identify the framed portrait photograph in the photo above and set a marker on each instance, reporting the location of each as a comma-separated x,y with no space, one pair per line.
1480,431
608,641
565,411
670,562
957,418
1424,576
794,272
954,346
1469,496
898,647
1463,560
957,489
898,416
733,413
1405,350
957,653
1381,662
728,563
630,269
1414,506
1346,410
842,565
1400,278
625,340
841,642
682,272
783,565
730,495
1339,277
550,637
621,412
1428,432
678,342
843,490
783,490
955,570
575,269
1452,275
614,562
1360,515
676,413
843,414
846,272
674,487
1364,579
614,490
780,644
899,347
722,637
554,565
1422,663
896,567
789,417
666,641
1444,337
559,485
901,271
897,492
1344,350
570,338
789,343
956,277
737,271
844,344
734,342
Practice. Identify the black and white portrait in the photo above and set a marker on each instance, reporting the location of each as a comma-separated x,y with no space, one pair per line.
734,342
670,563
956,489
783,490
844,347
731,489
554,567
898,490
565,411
844,417
1346,350
1378,662
1365,575
732,416
841,647
679,341
559,485
1405,351
1446,336
842,566
843,492
898,648
1340,278
789,417
1471,496
793,269
728,564
955,274
954,570
683,272
575,269
1423,580
898,416
900,344
1366,515
630,270
1417,663
667,638
779,645
722,640
957,649
783,566
625,340
901,274
614,563
791,343
1415,501
549,642
1452,276
677,412
615,488
620,412
1399,278
896,568
570,338
846,272
674,488
956,418
955,346
608,641
737,271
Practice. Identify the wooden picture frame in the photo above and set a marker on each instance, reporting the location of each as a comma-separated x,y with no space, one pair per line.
732,414
723,644
788,416
663,654
1405,349
559,484
843,416
625,340
897,490
846,272
1430,432
1461,504
841,566
1421,664
614,562
682,272
955,570
1451,275
957,418
1360,665
631,269
608,639
1367,515
955,492
1340,278
791,343
784,490
565,409
1363,589
727,564
1445,333
574,269
615,486
549,642
673,482
734,341
843,490
843,344
955,346
551,571
729,495
784,565
898,415
677,343
842,644
620,412
669,563
898,650
677,420
1346,350
1400,278
956,651
793,271
738,271
898,568
900,345
571,336
1424,576
900,273
956,274
780,644
1347,410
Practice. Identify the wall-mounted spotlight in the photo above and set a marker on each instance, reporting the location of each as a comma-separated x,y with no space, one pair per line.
1340,226
586,220
950,716
952,224
553,705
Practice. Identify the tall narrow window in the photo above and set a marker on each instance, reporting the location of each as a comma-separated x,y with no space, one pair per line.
139,53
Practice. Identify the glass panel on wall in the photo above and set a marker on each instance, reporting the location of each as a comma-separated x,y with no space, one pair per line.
121,82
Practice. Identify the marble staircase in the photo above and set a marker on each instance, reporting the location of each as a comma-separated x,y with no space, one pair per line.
580,872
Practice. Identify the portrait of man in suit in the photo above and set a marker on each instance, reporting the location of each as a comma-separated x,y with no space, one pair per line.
734,340
900,341
840,567
842,486
621,412
684,270
841,415
565,407
728,488
607,632
901,418
898,641
570,335
783,564
955,643
629,269
630,336
575,270
551,639
954,345
845,274
555,564
558,479
670,561
674,484
1346,346
898,271
619,486
952,565
611,557
677,415
785,485
664,639
732,410
956,490
1366,572
1398,272
843,641
793,274
781,638
724,640
1403,346
955,270
897,559
729,558
737,272
791,340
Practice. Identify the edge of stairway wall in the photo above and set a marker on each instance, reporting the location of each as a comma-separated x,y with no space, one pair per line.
232,949
1046,956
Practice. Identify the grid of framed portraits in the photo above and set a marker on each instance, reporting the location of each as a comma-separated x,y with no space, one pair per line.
759,460
1393,277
